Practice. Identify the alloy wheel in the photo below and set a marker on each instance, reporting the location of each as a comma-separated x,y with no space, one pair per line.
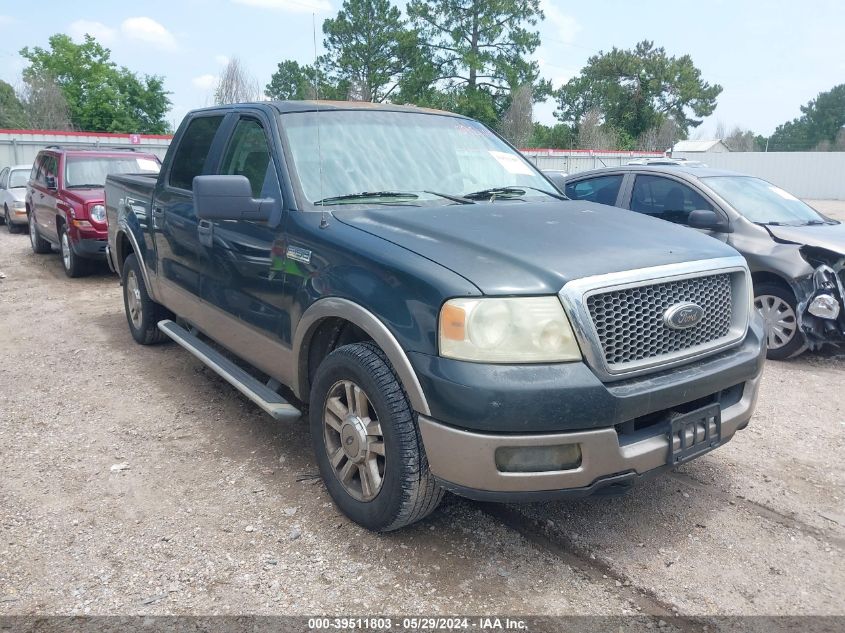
66,255
780,319
133,299
353,440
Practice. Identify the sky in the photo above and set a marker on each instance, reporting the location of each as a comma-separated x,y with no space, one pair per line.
770,56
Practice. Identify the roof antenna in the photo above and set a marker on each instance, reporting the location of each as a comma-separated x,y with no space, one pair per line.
324,222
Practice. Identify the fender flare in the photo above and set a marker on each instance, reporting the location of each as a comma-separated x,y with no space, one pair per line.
335,307
124,229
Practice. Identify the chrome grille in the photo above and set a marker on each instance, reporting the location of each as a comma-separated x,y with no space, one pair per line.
629,321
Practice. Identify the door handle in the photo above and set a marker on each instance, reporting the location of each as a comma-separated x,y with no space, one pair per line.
205,229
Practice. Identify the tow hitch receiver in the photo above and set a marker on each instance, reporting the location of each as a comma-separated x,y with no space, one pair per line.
691,434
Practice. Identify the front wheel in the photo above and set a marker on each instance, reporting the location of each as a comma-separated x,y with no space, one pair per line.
777,305
73,264
367,443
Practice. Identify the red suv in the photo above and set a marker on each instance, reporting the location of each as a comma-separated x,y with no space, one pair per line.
65,201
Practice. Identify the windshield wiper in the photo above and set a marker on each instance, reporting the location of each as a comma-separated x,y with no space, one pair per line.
403,195
515,190
366,195
816,222
449,196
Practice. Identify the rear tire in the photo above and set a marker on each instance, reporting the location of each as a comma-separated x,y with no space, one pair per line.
40,246
142,313
385,484
777,305
4,219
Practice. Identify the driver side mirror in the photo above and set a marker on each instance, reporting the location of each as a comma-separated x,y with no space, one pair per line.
51,183
709,220
229,198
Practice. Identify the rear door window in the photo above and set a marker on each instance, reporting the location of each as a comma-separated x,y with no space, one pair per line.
601,189
192,153
666,199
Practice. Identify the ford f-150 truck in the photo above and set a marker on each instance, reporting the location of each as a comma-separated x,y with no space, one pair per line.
448,320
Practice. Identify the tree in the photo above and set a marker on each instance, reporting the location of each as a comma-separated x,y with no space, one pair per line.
821,121
291,81
100,96
478,51
637,90
595,133
516,124
368,46
12,111
296,82
558,136
45,105
236,85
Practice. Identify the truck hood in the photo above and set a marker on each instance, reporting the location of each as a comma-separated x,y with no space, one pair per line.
509,248
829,236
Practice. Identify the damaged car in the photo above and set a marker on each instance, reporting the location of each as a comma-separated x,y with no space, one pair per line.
796,254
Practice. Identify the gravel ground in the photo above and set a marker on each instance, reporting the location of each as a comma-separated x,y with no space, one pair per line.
134,481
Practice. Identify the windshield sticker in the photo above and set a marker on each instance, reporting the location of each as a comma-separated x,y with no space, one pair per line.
783,194
511,163
147,164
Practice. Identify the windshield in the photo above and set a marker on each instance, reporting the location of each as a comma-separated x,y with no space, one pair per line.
91,171
18,178
762,202
378,151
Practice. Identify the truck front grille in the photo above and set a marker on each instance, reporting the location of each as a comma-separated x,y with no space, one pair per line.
630,326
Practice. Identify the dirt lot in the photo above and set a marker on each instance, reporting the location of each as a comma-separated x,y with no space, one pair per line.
218,509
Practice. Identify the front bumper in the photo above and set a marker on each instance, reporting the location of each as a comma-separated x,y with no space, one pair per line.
91,248
464,461
18,216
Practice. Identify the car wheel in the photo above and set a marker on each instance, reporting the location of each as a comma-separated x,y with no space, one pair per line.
74,265
5,218
777,305
142,313
366,441
39,244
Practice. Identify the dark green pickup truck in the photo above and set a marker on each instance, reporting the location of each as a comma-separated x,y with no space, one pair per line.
446,317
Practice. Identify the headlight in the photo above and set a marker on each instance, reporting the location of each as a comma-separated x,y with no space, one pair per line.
513,330
97,212
19,204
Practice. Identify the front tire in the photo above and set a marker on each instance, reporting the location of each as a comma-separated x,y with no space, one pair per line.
778,307
74,265
40,246
142,313
366,441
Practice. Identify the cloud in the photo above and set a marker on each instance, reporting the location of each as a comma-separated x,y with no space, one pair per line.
102,33
294,6
565,27
149,31
204,82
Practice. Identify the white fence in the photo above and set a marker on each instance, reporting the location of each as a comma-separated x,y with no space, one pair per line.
19,147
574,160
814,175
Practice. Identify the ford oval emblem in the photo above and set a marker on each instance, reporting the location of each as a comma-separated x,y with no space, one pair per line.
683,315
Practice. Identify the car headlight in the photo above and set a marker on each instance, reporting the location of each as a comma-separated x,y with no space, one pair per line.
19,204
508,330
97,212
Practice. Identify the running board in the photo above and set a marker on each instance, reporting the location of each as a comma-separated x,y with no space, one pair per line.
260,394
